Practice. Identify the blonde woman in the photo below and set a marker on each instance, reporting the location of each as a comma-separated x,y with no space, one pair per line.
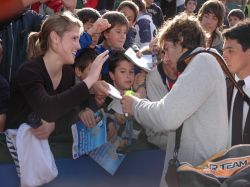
44,87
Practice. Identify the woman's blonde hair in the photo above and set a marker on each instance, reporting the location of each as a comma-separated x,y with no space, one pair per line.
39,42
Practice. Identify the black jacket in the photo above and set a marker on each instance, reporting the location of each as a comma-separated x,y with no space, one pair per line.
246,131
14,36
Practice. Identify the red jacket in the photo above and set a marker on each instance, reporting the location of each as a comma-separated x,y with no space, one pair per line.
55,5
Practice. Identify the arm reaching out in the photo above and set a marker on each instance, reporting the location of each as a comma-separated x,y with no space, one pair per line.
95,69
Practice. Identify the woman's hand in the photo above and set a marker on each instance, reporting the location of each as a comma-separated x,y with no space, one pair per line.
100,100
100,89
44,130
95,69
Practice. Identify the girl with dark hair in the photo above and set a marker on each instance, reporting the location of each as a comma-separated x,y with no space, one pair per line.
211,16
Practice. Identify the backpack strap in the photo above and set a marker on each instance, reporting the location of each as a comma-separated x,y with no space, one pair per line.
223,65
225,69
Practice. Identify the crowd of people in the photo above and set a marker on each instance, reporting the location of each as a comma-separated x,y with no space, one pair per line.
57,59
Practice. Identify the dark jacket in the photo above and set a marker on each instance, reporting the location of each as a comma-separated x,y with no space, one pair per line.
130,39
246,131
32,93
156,14
4,95
14,37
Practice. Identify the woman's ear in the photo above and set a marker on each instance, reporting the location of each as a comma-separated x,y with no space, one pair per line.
248,53
54,37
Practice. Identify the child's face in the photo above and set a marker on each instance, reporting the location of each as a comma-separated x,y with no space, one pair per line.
95,39
115,37
129,15
209,22
190,7
123,76
95,36
87,25
233,20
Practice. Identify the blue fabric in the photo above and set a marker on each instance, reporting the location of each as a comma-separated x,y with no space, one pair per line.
146,175
85,40
156,14
144,32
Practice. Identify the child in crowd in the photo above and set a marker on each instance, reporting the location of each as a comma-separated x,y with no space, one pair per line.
83,63
121,71
155,11
114,37
145,27
89,16
211,16
190,6
82,68
131,11
90,37
235,16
